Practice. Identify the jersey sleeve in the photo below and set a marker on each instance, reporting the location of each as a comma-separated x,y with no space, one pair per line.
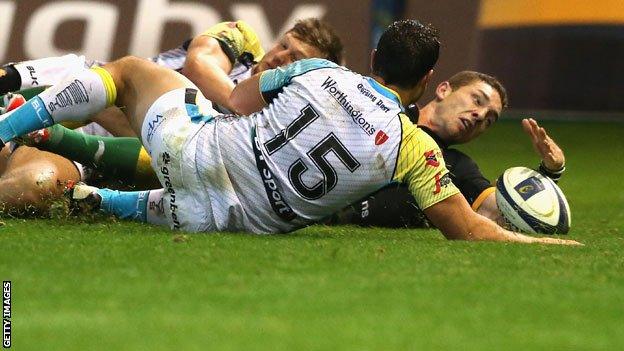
467,176
272,81
236,39
391,207
421,166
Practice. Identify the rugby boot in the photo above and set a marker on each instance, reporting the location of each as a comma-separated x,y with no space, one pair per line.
35,138
83,198
11,101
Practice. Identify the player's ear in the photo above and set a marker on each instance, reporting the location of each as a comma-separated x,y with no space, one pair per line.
422,83
443,90
372,59
427,78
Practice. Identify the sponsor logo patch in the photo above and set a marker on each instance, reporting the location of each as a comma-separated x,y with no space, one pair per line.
151,126
158,207
73,94
381,137
33,75
331,87
431,158
168,185
529,187
441,182
278,204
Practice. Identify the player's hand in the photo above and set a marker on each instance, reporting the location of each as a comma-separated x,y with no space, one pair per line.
550,153
556,241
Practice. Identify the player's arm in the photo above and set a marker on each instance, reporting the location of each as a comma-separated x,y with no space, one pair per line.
247,97
475,187
208,66
211,56
420,165
489,209
457,221
254,93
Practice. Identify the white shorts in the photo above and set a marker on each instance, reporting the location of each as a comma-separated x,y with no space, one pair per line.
207,167
169,136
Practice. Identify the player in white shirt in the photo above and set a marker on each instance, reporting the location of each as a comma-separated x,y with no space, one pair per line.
216,60
326,137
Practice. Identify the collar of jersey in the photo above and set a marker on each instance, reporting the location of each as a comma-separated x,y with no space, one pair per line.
385,91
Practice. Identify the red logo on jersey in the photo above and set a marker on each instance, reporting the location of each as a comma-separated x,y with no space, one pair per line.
441,182
437,180
431,159
381,137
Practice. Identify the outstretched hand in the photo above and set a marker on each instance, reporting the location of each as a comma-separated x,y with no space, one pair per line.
550,153
556,241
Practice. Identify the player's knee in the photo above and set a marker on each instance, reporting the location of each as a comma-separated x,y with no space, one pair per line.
124,64
123,68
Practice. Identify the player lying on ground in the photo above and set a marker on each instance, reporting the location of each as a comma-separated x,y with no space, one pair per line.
223,55
464,107
327,137
472,96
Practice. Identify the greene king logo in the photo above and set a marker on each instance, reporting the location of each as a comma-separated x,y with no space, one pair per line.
431,159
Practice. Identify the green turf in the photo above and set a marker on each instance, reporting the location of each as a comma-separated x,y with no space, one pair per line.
119,286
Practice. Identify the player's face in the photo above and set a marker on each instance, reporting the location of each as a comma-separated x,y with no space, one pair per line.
465,113
287,50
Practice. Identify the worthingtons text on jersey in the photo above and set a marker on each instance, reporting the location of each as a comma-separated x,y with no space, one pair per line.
329,85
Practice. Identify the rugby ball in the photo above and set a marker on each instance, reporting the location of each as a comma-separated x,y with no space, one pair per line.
532,202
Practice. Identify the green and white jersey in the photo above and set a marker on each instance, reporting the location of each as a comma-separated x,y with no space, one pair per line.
327,138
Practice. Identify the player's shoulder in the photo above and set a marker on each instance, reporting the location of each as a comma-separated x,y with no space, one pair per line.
281,76
422,167
418,152
307,65
413,134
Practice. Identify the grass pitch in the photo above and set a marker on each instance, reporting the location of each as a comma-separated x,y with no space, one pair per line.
108,285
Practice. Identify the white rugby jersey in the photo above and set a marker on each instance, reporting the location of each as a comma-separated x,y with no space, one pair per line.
328,138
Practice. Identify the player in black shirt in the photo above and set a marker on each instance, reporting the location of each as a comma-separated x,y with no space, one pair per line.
464,107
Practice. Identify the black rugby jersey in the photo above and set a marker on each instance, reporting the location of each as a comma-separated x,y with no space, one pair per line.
394,206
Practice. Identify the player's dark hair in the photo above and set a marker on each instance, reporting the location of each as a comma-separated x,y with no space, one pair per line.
406,52
464,78
322,36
